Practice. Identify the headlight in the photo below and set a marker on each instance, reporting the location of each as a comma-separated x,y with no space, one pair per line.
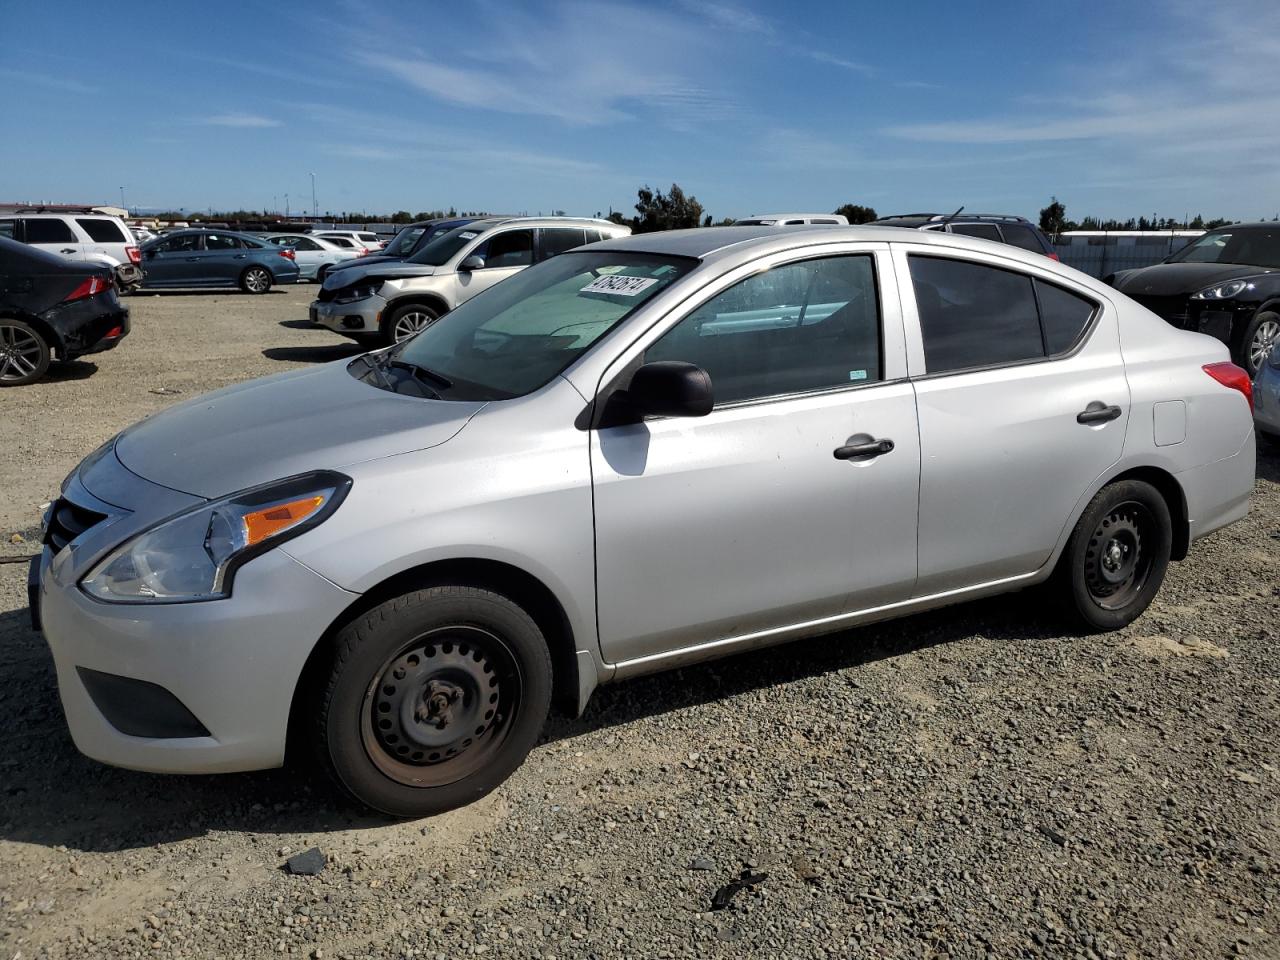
360,292
1224,291
194,556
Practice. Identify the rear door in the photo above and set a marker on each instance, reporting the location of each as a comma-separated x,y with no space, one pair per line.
106,237
1004,358
505,254
223,258
745,523
53,235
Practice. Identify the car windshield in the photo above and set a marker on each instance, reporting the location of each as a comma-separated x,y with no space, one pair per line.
1255,246
440,249
514,337
402,244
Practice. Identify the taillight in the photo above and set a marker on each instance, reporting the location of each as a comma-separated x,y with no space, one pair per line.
287,253
114,333
364,252
90,287
135,255
1229,375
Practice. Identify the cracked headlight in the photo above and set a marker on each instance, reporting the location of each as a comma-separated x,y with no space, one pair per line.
194,556
361,291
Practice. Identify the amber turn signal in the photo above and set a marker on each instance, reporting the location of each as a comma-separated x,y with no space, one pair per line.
269,521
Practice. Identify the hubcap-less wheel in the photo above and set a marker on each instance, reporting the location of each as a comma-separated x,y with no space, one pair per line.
1116,565
21,353
1263,340
411,322
438,710
257,281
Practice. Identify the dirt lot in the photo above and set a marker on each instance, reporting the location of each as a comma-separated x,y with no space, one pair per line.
966,783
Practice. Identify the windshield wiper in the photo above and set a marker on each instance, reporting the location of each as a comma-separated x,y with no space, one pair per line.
371,361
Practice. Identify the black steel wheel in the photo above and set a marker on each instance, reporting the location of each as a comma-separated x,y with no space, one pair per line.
1116,559
432,699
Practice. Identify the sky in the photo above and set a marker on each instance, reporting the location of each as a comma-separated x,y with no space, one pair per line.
1118,109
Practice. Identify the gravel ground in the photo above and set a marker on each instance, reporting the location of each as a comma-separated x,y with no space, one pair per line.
965,783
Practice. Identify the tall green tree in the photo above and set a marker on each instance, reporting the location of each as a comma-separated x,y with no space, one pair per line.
1053,218
856,213
672,211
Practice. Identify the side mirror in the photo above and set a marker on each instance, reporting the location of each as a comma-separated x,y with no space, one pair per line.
664,388
151,254
473,262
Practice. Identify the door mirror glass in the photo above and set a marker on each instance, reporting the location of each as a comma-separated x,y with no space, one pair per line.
664,388
473,262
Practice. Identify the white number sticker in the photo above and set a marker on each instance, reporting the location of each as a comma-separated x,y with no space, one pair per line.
618,285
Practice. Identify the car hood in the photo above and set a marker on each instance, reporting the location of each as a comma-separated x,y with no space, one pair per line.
337,279
291,423
1172,279
365,261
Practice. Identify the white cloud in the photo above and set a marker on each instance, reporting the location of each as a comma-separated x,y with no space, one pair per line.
249,120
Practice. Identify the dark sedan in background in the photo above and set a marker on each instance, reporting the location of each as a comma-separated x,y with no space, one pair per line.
51,306
216,258
1225,283
407,242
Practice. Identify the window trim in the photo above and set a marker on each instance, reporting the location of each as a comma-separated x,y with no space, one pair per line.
1076,347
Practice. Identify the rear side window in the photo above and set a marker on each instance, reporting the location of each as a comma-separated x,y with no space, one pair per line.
987,231
183,243
8,228
49,231
972,315
1064,316
217,241
813,325
559,239
101,230
371,237
1015,234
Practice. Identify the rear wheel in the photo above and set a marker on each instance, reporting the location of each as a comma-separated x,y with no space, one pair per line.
24,354
1117,556
433,699
255,280
1259,337
407,321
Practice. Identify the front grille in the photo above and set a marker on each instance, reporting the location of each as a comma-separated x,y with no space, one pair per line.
1172,309
68,521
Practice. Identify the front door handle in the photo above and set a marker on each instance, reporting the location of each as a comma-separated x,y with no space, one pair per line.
858,451
242,256
193,259
68,250
1098,412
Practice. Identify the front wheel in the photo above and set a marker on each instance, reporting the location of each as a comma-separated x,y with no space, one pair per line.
1260,336
255,280
24,354
1117,556
407,321
433,699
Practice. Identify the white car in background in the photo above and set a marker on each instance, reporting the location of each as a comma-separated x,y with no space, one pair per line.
86,236
370,242
313,255
793,220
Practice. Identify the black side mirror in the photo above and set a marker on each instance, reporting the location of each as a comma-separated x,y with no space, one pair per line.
473,262
664,388
151,253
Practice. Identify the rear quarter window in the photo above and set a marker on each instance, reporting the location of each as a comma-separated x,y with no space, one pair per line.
1017,235
102,230
1065,316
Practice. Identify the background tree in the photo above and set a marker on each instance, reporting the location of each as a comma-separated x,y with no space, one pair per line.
402,216
1053,218
674,211
856,213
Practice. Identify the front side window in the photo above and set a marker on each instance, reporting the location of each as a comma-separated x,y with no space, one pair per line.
514,337
799,327
102,230
514,248
973,315
51,230
182,243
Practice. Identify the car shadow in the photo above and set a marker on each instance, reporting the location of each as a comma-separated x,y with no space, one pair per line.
300,325
65,370
51,795
318,354
210,291
1269,461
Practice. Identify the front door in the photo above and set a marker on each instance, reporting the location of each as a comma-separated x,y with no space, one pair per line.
747,520
505,254
172,262
1007,359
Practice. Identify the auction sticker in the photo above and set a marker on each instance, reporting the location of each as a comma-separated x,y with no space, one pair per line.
618,285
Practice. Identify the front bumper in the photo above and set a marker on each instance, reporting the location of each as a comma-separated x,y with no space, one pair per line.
361,316
232,665
1266,399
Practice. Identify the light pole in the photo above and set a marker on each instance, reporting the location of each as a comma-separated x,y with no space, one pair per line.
286,206
126,209
314,208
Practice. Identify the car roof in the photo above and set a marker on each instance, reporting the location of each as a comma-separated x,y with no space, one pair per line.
233,233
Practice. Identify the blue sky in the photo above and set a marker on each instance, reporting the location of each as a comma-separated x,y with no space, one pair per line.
1119,109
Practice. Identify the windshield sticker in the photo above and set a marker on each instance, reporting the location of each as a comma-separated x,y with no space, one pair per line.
468,235
618,285
857,374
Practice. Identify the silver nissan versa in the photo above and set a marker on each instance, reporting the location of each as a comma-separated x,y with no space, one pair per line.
643,453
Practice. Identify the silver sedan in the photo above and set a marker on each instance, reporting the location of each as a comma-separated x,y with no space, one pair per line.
646,452
315,256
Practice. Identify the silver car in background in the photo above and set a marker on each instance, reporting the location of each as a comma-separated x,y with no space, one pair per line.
1266,396
315,256
648,452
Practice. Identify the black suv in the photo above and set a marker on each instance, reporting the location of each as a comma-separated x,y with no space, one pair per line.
1002,228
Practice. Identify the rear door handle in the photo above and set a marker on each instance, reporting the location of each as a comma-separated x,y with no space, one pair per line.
193,259
1098,412
241,256
858,451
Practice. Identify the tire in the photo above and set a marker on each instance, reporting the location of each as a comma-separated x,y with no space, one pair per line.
24,353
1116,558
406,321
256,280
432,700
1259,337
